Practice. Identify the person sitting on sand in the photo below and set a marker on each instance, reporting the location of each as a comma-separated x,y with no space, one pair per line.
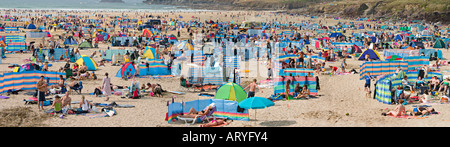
426,97
216,122
185,83
57,104
66,100
297,90
419,111
85,105
398,111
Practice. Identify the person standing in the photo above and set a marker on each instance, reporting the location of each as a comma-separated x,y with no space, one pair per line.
106,86
252,86
42,88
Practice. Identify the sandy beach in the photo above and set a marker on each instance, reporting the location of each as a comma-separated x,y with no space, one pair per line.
340,102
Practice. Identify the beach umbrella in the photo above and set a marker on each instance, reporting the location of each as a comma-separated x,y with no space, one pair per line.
255,103
231,91
393,58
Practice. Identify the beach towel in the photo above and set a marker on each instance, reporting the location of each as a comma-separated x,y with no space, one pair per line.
3,97
414,117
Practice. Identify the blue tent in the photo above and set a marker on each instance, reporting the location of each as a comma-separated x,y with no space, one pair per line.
372,55
31,26
335,34
127,69
398,38
70,41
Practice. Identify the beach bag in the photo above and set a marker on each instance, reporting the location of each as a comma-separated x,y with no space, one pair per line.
135,94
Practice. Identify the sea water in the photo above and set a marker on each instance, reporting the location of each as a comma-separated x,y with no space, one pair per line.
127,5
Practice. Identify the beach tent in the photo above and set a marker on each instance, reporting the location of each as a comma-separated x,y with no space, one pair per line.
439,43
418,44
31,26
150,53
185,46
398,38
372,55
70,41
28,67
85,44
147,33
125,69
335,34
356,49
231,91
90,63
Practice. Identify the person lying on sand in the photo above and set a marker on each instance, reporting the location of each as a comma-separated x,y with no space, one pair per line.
419,111
216,122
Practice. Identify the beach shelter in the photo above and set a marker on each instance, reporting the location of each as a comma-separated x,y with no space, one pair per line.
150,53
27,67
231,91
147,33
90,63
185,45
85,44
398,38
372,55
439,43
356,49
31,26
125,69
70,41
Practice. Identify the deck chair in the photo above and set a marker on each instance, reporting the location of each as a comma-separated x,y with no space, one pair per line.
79,88
183,86
69,73
199,118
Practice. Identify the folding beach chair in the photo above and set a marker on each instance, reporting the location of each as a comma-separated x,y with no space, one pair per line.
69,73
79,88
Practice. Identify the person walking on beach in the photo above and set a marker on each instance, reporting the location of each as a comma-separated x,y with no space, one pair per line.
252,86
367,85
42,88
106,86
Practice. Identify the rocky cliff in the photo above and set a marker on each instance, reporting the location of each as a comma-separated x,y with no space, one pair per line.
430,10
238,4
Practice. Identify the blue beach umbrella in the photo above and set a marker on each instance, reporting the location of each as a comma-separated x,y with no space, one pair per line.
256,103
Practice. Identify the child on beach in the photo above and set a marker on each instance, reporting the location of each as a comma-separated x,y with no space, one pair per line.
367,85
57,104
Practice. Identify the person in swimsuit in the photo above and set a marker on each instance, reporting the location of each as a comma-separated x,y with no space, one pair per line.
252,86
192,112
420,111
444,84
398,111
216,122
